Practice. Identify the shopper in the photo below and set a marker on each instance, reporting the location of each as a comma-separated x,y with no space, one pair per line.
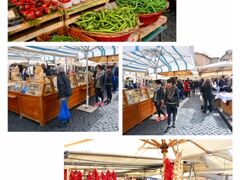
158,99
172,102
207,95
115,77
193,87
46,71
180,89
109,84
64,88
187,88
99,84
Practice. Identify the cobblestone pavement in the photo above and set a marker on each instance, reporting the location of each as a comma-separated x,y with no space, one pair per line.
104,119
190,121
169,35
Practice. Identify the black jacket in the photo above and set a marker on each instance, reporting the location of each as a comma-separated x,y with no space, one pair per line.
207,92
109,77
63,84
159,95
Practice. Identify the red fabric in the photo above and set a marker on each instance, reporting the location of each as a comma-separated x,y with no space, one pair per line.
186,86
168,170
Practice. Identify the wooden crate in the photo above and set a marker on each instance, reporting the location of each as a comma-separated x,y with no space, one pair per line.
144,31
36,31
37,22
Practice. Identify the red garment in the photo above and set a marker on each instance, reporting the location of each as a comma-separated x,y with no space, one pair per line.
186,86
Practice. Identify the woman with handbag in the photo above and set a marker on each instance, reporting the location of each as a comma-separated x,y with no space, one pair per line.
64,92
99,84
172,102
158,98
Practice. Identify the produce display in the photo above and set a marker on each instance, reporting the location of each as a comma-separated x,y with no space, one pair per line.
32,9
144,6
108,21
57,38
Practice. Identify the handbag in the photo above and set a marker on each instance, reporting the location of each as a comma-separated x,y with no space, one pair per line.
64,111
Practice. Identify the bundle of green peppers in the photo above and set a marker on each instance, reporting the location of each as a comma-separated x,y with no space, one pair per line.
144,6
108,20
62,38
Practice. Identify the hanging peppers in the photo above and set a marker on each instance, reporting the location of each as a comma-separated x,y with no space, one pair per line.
168,170
114,176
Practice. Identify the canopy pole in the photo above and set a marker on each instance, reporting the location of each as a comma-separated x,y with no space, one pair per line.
87,94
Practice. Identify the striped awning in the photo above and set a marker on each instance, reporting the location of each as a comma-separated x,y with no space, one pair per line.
157,59
64,51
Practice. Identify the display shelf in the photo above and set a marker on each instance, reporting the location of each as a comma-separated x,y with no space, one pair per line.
35,23
36,31
137,106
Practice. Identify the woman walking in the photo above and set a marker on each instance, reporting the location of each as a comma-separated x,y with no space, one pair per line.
158,98
100,81
172,102
207,88
64,88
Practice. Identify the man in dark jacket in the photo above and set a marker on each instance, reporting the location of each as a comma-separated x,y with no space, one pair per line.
109,84
158,99
64,87
115,77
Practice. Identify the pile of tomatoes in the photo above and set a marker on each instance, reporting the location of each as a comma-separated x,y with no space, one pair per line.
32,9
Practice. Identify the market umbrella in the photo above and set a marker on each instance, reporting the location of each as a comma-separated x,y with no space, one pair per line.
105,59
183,73
220,68
153,77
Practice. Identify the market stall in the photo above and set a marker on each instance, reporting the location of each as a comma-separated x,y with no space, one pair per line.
150,158
32,96
161,60
223,99
86,20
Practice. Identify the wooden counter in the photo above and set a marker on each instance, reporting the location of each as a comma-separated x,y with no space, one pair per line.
43,109
130,117
145,109
13,102
227,107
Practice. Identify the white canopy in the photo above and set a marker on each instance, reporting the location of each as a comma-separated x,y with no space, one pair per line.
156,59
207,156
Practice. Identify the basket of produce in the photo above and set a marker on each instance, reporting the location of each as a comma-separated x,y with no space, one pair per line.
32,9
59,35
148,11
108,24
64,34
